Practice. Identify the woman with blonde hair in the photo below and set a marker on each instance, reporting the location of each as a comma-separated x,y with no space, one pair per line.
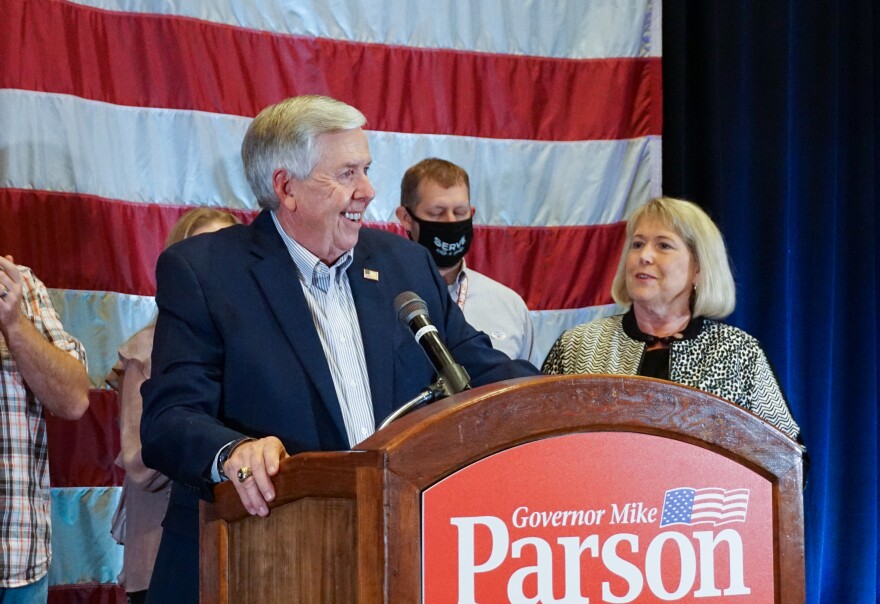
138,520
675,278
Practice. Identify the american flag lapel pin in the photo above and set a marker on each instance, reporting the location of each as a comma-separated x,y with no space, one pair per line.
371,274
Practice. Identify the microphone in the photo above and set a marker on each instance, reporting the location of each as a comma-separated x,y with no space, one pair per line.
413,312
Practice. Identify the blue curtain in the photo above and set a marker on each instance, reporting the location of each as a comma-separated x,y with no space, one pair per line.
770,123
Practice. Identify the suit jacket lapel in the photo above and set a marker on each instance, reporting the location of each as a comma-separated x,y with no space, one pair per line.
277,278
376,320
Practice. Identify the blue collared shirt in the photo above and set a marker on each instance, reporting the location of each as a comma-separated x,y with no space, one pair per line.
328,294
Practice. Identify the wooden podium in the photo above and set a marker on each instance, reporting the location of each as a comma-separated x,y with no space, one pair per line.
348,526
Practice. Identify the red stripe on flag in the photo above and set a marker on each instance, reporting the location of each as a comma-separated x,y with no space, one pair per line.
74,241
87,593
556,267
182,63
552,268
84,242
82,453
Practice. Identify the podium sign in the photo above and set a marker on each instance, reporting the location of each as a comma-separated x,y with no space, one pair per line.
599,517
551,489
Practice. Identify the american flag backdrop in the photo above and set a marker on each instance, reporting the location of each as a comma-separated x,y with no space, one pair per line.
116,116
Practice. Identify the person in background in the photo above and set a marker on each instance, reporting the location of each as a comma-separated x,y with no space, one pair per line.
282,336
42,368
436,211
675,277
138,520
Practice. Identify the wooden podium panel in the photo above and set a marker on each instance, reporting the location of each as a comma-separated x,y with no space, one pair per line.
306,550
310,544
347,526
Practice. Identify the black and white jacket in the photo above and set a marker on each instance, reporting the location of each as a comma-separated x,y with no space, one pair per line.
717,358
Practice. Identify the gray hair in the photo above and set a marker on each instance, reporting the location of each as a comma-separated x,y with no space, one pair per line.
715,293
285,136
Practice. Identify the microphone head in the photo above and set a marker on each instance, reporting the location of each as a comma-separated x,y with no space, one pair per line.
409,306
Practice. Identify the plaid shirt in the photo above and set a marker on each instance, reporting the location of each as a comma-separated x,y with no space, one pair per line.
24,464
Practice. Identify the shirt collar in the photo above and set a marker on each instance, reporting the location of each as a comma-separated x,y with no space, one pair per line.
631,328
459,278
461,273
311,269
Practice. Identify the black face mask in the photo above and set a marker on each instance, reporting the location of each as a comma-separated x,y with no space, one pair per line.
448,242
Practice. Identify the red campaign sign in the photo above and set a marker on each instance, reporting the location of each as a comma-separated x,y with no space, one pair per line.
599,517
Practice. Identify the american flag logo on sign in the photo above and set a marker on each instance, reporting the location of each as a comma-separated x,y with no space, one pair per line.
710,505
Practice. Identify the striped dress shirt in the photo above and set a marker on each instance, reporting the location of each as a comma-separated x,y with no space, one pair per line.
328,295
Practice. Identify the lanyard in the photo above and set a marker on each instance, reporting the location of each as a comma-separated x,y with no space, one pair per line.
462,290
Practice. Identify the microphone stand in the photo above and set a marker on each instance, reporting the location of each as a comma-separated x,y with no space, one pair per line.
434,392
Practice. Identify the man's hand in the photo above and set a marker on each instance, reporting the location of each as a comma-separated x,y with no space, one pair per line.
10,294
263,457
58,380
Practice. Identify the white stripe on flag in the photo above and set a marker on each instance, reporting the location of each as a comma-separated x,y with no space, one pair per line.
102,321
83,551
571,29
193,158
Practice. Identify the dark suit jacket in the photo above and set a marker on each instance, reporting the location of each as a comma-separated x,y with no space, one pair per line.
236,352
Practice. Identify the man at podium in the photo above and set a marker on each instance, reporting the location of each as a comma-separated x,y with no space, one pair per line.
281,336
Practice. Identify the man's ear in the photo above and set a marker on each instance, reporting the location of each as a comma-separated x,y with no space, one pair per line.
281,182
407,222
404,217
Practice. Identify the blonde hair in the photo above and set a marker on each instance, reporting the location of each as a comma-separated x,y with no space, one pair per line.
715,292
285,135
193,220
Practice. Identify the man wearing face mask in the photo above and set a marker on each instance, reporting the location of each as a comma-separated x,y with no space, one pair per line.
436,212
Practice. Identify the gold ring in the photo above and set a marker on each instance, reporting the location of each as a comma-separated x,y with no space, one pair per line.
244,473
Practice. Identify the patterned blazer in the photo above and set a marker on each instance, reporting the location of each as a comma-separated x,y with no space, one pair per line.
721,360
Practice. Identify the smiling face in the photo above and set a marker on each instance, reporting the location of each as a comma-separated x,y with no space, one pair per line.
660,269
324,212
